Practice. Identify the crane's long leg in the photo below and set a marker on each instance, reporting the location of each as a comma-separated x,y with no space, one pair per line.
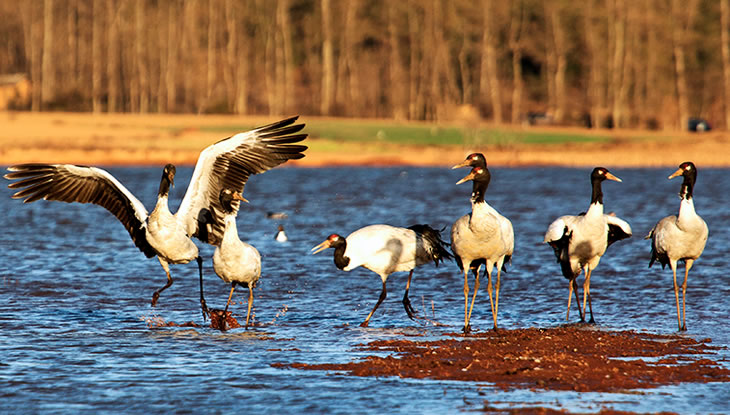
203,306
687,265
572,284
573,287
590,306
491,297
383,294
588,290
473,297
467,329
673,264
250,302
406,301
225,311
156,294
496,297
587,294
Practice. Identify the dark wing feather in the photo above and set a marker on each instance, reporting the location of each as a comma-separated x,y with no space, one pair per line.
71,183
228,164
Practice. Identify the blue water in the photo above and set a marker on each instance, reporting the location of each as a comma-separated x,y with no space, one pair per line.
75,294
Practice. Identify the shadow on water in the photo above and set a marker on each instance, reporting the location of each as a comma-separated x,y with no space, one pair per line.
75,296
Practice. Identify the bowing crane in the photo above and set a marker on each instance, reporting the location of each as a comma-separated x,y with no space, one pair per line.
386,249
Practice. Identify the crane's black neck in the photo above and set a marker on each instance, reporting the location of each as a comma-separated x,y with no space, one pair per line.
597,195
479,187
164,186
688,184
341,261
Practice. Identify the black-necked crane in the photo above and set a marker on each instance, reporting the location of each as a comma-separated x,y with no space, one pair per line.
681,237
225,164
386,249
482,237
580,241
235,261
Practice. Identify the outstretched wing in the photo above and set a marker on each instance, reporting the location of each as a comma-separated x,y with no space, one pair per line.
228,164
71,183
618,229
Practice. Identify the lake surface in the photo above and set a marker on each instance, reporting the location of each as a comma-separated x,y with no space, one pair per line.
75,296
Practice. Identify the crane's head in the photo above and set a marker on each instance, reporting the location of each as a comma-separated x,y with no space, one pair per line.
333,241
602,173
227,197
472,160
685,169
168,173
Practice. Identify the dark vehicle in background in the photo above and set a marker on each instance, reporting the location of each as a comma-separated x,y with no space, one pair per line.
698,125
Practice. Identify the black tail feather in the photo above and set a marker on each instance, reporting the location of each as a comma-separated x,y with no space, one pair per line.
434,245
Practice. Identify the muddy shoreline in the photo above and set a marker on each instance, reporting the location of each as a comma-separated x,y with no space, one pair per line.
572,358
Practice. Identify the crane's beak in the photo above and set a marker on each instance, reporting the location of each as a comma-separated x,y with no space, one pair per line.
464,163
610,176
676,173
466,178
238,196
321,247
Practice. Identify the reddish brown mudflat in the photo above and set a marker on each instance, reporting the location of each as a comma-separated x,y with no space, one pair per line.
562,358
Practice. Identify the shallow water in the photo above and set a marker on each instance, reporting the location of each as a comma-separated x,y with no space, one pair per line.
75,296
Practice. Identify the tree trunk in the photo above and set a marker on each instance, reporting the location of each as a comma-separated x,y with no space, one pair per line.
397,79
48,76
557,60
211,52
516,22
96,55
72,43
618,15
725,32
171,74
141,55
680,24
286,63
489,78
415,91
328,64
112,59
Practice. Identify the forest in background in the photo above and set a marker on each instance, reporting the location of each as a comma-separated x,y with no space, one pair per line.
637,64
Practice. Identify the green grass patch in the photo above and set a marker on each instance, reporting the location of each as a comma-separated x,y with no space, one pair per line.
422,134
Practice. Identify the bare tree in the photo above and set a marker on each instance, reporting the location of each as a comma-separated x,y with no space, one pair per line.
682,16
725,41
141,57
517,16
489,78
328,59
48,78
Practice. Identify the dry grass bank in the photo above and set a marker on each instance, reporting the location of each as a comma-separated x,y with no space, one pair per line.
131,139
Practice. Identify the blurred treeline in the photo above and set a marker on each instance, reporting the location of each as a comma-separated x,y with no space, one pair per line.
625,63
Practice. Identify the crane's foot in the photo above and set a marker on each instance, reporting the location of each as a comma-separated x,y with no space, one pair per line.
409,308
155,297
467,329
683,328
364,323
204,308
